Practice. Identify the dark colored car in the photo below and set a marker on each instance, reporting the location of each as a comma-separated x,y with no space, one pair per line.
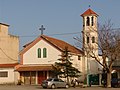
54,83
115,82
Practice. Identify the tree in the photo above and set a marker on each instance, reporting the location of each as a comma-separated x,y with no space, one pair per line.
64,68
108,45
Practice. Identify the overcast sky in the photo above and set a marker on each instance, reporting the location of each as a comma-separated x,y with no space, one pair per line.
58,17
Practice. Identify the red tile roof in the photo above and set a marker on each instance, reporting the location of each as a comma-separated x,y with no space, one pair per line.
59,44
8,65
34,68
89,12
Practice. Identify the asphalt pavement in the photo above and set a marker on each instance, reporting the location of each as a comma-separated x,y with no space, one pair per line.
37,87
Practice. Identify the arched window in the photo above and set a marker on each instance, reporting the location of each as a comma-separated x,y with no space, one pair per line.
44,52
88,21
93,39
92,20
87,39
39,53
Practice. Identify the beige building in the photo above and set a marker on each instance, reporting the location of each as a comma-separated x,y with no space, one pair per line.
9,49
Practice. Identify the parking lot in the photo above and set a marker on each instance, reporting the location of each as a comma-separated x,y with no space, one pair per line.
37,87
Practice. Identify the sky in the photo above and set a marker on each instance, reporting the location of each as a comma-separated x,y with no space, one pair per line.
61,18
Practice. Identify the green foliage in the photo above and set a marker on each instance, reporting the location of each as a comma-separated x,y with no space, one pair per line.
64,68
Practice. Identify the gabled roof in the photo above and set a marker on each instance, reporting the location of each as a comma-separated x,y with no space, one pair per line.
58,44
89,12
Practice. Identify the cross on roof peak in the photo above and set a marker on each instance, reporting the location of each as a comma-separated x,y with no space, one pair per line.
89,6
42,29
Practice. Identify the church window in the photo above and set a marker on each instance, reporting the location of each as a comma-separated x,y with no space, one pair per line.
93,39
92,20
44,52
88,21
87,39
39,53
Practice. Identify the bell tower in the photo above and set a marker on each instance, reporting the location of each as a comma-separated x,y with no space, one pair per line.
90,32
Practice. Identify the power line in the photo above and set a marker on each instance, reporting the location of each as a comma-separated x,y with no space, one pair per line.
64,33
113,29
47,34
7,55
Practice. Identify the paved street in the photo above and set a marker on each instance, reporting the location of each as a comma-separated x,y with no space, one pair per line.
27,87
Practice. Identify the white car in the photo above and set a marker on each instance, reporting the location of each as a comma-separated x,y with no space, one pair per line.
54,83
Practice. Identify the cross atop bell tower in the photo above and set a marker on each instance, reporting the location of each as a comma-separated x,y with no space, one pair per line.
42,29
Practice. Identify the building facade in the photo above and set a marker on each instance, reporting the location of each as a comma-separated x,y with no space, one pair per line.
38,57
9,50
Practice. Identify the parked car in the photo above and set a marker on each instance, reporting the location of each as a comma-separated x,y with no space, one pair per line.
54,83
115,82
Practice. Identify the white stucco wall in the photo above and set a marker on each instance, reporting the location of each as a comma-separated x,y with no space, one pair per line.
30,57
92,66
77,63
10,78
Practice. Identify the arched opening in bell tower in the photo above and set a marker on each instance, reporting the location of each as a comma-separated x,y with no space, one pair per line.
88,21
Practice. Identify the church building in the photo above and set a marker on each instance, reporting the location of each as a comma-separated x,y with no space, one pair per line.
38,57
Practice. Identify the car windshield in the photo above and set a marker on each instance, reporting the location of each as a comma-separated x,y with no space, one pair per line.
49,79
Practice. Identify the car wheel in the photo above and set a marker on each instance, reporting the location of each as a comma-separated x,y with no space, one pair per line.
53,86
67,86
